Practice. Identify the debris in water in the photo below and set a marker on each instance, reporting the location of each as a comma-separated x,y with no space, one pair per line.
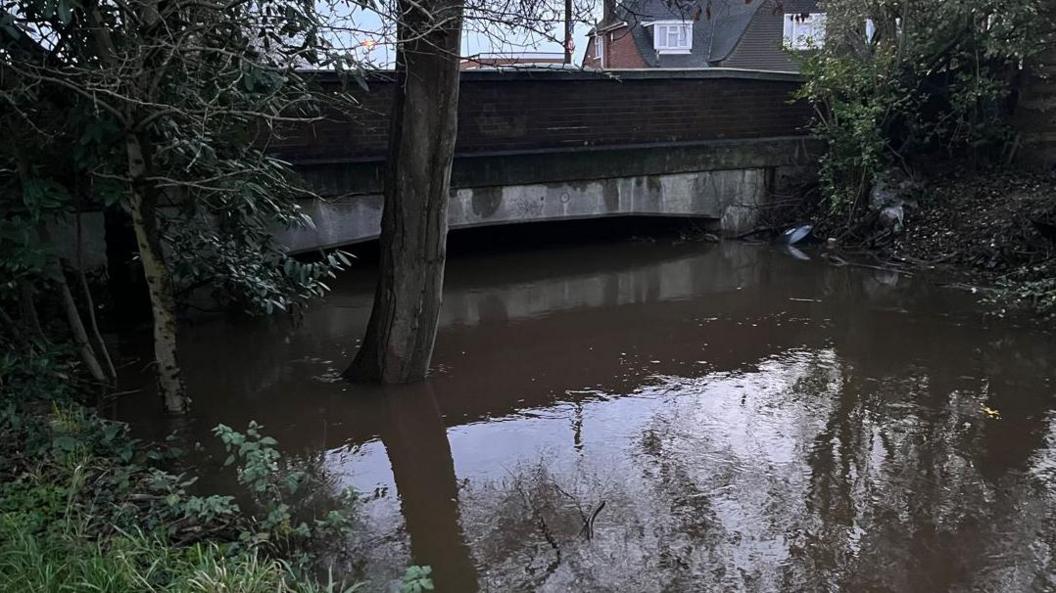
796,234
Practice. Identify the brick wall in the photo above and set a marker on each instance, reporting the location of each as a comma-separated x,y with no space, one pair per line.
502,112
590,59
621,52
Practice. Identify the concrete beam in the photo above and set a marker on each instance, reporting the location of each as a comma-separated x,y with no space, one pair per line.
730,197
726,181
334,178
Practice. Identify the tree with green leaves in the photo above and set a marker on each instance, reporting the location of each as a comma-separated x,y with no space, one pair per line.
164,109
903,83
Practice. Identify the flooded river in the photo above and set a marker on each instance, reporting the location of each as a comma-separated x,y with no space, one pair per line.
641,417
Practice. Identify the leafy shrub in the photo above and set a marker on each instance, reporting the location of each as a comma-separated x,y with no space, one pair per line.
84,506
1036,296
417,580
279,493
934,81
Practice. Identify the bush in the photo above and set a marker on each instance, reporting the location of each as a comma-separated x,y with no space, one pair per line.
1035,296
84,506
934,82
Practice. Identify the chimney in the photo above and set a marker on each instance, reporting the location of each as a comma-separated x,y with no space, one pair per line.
608,12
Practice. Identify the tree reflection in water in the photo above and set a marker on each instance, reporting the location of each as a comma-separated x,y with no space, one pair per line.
752,423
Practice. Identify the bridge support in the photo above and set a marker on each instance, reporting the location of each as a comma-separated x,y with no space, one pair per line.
725,182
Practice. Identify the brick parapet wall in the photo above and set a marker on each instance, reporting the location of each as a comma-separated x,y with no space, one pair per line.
529,111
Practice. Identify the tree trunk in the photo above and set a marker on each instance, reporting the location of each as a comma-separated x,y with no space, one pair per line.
80,336
159,282
568,31
89,302
399,340
73,316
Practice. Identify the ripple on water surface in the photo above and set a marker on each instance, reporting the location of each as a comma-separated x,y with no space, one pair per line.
672,418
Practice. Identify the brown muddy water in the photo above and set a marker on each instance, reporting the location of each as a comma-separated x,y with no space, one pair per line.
641,417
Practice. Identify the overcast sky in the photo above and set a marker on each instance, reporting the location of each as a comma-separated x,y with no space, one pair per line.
371,29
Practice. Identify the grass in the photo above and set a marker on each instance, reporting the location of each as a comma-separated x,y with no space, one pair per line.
64,563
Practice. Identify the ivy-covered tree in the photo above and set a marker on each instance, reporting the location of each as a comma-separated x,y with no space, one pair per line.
165,108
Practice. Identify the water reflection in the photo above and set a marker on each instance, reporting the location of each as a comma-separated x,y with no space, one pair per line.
673,418
416,444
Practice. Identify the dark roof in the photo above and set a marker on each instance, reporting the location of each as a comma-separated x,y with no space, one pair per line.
718,26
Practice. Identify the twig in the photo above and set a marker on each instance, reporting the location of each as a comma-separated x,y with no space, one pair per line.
588,526
90,304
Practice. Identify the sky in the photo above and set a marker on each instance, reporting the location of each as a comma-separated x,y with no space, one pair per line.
371,30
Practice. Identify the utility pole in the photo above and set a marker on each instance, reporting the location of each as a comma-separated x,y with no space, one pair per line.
568,31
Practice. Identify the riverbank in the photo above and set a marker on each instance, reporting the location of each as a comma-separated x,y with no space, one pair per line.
994,230
86,507
989,226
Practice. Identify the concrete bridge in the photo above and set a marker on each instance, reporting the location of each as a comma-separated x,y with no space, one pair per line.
544,145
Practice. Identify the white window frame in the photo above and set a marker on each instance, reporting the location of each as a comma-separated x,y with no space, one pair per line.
599,48
804,32
666,31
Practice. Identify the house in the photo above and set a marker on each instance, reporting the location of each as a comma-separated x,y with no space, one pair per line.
754,34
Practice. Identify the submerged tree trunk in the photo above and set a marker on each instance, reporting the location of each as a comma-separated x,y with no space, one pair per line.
399,339
159,281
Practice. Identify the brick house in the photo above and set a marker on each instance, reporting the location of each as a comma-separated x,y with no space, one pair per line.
752,34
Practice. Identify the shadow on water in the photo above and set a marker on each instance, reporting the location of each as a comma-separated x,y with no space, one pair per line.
671,417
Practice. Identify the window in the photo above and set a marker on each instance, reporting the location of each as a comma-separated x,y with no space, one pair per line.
804,31
672,37
599,49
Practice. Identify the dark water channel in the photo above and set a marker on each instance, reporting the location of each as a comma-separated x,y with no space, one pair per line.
731,418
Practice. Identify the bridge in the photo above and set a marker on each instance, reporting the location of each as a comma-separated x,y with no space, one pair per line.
546,145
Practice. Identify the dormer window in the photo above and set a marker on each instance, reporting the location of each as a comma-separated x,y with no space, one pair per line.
672,37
